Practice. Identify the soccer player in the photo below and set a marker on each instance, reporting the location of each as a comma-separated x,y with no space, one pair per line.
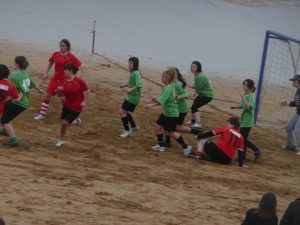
223,151
183,108
204,91
247,104
23,82
293,125
77,94
133,97
167,120
60,59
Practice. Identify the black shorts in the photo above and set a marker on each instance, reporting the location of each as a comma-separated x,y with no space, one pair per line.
169,123
217,154
180,120
199,102
127,106
11,111
68,115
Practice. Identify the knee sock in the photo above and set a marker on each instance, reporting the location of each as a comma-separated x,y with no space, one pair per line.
168,139
199,154
130,120
125,123
193,121
194,131
252,146
44,107
14,139
160,139
181,141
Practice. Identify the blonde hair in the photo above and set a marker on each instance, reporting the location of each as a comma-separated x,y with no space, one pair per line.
171,74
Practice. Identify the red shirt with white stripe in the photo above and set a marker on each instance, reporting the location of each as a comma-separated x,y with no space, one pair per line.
230,140
74,91
60,61
7,89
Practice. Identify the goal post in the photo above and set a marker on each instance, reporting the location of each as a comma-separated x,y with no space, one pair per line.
280,62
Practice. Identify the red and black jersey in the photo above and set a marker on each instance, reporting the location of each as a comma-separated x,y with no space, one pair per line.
7,89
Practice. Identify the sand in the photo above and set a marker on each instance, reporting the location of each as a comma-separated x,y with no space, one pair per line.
99,178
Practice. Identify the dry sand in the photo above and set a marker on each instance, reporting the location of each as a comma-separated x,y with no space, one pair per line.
100,178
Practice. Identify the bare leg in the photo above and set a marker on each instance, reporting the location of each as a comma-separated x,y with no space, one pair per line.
64,126
9,129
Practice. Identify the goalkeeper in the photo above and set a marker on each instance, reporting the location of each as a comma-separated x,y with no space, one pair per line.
293,125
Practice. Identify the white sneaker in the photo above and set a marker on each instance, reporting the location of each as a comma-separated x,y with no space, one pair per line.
189,122
197,125
187,151
39,117
60,143
126,133
79,124
298,153
158,148
135,128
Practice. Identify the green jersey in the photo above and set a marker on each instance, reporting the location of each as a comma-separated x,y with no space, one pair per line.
202,85
23,82
247,118
183,106
168,101
134,79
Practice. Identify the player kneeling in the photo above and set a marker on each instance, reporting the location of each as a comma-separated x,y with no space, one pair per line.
224,150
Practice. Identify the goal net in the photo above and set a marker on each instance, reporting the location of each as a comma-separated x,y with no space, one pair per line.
280,62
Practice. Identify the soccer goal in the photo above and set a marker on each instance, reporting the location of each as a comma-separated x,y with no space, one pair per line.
280,62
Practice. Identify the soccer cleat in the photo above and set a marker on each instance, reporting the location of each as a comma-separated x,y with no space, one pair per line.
79,124
60,143
187,150
195,157
135,128
158,148
257,154
39,117
126,133
167,144
11,144
4,133
189,122
197,125
298,153
286,147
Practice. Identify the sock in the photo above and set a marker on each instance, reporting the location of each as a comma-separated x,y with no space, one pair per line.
199,154
14,140
130,120
44,107
125,123
181,141
193,121
168,139
160,139
194,131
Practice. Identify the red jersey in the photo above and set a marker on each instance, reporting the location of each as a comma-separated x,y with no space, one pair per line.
230,140
7,89
74,91
60,61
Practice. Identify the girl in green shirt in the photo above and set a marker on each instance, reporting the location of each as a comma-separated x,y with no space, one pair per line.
247,104
170,115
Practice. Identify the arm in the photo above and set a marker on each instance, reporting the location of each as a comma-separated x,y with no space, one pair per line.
82,72
20,97
205,135
235,107
127,90
47,70
148,106
39,89
246,103
123,85
86,97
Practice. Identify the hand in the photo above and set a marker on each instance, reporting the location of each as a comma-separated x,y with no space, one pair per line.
241,93
122,85
82,104
148,106
194,95
244,166
40,91
21,94
284,103
127,90
153,99
45,76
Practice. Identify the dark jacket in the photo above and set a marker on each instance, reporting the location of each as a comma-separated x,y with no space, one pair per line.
292,214
253,219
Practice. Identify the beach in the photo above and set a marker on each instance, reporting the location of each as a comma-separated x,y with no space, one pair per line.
98,177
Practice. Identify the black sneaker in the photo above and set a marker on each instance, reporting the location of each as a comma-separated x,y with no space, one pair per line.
195,157
166,144
11,144
258,153
4,133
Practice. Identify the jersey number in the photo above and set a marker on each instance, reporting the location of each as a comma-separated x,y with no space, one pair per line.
26,84
2,95
233,139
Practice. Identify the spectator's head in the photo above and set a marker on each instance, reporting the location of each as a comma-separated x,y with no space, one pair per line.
4,72
135,64
267,206
234,122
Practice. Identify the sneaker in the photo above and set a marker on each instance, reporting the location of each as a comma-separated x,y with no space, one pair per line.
286,147
60,143
126,133
11,144
79,124
158,148
257,154
298,153
166,144
4,133
187,151
189,122
39,117
135,128
195,157
197,125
